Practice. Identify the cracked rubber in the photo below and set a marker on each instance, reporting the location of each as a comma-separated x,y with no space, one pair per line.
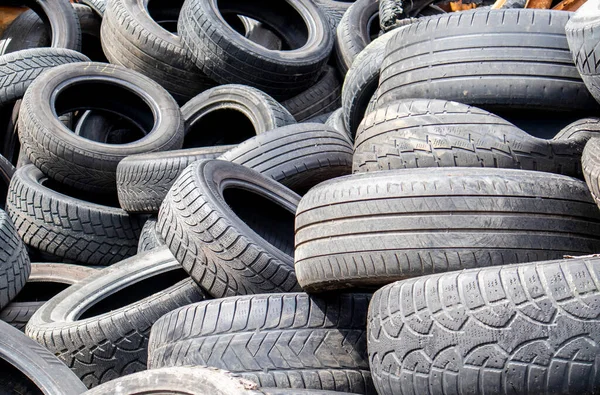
446,333
112,342
242,244
280,340
67,227
14,261
371,229
322,98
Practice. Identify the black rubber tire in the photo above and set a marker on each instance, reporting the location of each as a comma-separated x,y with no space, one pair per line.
99,6
336,121
45,281
80,162
90,23
280,340
100,326
376,228
361,82
132,38
581,130
523,54
7,170
239,112
66,227
334,10
228,57
14,261
319,118
26,31
150,238
298,156
354,32
144,180
416,133
463,317
19,69
233,247
583,35
591,167
322,98
28,368
260,34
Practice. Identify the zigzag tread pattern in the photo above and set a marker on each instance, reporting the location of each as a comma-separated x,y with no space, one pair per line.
14,261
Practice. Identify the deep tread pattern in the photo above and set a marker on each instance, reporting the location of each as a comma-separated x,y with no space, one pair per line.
149,238
298,156
322,98
144,180
436,133
591,167
446,333
375,228
14,261
19,69
69,228
105,347
281,340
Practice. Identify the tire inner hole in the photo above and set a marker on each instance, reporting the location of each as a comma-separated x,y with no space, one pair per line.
222,126
134,293
110,99
109,199
40,291
165,13
272,222
15,380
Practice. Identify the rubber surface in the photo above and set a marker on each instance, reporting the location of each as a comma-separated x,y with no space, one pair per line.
323,97
591,167
14,261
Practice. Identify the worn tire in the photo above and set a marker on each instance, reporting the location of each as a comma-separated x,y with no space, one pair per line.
242,241
375,228
7,170
280,340
334,10
221,53
90,23
26,31
99,6
66,227
591,167
100,326
298,156
580,130
45,281
150,238
133,39
336,121
547,307
523,54
239,112
14,261
81,162
437,133
322,98
354,32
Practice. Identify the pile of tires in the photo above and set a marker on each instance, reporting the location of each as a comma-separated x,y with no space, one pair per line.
299,197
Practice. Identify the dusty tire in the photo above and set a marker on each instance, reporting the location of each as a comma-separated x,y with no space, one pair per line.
26,31
67,227
580,130
150,238
243,240
14,261
45,281
591,167
302,342
462,317
233,59
523,54
436,133
334,10
239,112
298,156
132,38
375,228
144,180
100,326
322,98
99,6
80,162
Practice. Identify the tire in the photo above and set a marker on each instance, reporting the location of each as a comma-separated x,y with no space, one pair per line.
361,82
260,34
80,162
373,229
99,327
358,25
420,133
278,340
19,69
521,53
239,112
581,130
242,241
26,31
90,23
28,368
334,10
132,38
230,59
336,121
544,305
321,98
397,13
591,167
14,261
319,118
583,34
144,180
61,222
99,6
298,156
7,170
45,281
150,238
